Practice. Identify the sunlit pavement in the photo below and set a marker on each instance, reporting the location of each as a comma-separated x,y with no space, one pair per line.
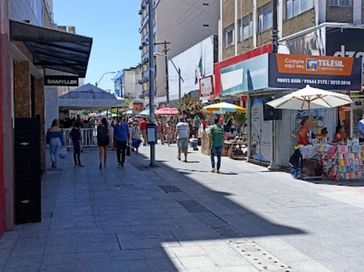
181,217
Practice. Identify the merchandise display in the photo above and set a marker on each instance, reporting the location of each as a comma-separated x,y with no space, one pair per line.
341,161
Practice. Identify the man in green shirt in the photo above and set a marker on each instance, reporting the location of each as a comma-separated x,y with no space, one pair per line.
217,141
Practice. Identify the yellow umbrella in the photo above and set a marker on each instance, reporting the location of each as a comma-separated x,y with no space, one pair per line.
223,107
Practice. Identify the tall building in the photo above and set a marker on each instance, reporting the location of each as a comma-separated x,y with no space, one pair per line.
247,24
128,83
182,23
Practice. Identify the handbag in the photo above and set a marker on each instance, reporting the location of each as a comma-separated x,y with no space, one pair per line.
63,153
128,150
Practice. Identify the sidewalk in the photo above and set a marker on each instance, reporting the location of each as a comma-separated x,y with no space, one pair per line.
180,217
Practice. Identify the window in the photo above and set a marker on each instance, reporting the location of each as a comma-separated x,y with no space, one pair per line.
246,28
296,7
229,36
340,3
264,18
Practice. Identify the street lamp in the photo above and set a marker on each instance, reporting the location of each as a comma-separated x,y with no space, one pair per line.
109,72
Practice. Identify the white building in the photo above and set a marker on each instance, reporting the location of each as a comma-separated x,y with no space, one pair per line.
183,23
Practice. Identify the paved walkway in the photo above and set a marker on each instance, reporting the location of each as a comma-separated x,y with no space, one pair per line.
180,217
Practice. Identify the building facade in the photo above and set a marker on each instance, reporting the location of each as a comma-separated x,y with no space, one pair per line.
247,24
30,47
305,27
192,22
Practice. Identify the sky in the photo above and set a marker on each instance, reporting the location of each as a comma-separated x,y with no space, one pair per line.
113,25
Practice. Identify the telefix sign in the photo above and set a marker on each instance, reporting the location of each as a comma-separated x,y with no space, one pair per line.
330,73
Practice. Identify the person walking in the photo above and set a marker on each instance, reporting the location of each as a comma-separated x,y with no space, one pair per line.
75,136
135,137
103,141
182,133
360,127
55,140
143,129
217,140
121,133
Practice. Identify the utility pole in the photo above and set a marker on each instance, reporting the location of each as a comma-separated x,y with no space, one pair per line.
273,164
151,73
274,26
179,84
165,51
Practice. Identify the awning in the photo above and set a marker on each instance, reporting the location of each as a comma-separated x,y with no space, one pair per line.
52,48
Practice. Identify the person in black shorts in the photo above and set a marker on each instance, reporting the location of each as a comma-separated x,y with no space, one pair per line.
103,141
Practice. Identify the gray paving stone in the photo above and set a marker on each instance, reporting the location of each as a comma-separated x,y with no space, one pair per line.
24,261
58,259
130,266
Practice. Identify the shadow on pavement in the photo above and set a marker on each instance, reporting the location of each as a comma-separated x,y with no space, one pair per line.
136,218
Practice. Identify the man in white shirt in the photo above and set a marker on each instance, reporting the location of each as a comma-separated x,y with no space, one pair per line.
183,133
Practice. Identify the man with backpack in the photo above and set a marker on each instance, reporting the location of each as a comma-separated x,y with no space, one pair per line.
121,133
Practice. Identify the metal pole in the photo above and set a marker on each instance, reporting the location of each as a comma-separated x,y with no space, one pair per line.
274,26
179,84
166,64
151,73
273,164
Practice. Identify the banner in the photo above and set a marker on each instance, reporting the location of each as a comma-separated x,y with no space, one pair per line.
328,73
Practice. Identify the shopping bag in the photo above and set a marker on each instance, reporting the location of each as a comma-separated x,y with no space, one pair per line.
63,153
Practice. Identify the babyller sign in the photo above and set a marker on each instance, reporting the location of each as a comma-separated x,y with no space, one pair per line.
328,73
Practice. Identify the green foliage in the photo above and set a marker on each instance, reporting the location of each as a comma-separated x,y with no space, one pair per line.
127,102
240,117
190,107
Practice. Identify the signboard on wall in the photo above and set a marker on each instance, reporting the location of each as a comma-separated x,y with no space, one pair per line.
50,80
206,87
248,75
328,73
261,132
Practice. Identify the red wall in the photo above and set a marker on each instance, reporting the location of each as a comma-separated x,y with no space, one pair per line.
267,48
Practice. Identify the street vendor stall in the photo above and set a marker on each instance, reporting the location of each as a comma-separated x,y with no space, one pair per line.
230,144
336,160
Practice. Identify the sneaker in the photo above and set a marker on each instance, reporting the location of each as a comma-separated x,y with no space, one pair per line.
213,170
218,171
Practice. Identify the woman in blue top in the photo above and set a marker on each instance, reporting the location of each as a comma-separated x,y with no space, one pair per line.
55,140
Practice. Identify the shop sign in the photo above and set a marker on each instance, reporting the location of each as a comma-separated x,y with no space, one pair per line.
328,73
50,80
206,87
261,132
248,75
345,42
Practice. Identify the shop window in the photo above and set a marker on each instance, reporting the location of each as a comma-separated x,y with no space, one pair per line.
229,36
296,7
246,28
340,3
265,18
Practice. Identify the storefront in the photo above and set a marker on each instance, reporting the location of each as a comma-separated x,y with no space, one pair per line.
28,54
270,76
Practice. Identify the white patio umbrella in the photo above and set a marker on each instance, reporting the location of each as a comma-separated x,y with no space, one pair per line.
310,98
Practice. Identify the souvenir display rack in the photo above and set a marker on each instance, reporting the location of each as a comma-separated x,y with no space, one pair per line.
341,161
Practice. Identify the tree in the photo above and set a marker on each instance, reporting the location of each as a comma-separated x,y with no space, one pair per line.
190,107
